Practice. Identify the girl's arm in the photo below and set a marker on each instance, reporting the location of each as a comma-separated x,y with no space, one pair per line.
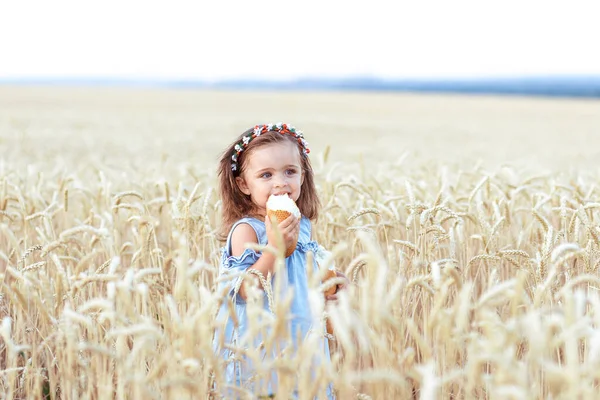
244,233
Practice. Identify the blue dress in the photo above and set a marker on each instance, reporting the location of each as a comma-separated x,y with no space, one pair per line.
301,322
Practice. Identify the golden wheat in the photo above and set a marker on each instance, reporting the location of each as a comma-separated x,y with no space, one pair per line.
467,281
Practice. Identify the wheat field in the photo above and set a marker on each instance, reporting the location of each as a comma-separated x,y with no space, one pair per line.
468,226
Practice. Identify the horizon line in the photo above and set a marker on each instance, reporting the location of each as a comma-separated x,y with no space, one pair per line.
551,85
324,77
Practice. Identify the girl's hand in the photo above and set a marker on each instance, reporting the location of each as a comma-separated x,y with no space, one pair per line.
341,286
289,228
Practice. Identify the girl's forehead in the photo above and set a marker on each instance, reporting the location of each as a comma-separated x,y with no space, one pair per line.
274,154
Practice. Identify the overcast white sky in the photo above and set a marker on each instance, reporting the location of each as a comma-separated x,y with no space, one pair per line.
283,39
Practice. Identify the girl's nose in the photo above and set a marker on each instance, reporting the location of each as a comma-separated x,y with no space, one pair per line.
280,181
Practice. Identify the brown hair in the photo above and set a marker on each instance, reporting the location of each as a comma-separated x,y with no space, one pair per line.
236,205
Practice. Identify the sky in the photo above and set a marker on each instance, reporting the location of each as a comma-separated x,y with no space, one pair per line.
269,39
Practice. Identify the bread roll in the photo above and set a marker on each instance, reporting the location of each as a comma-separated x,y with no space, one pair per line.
332,290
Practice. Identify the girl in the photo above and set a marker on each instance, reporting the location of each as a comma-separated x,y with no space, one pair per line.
264,160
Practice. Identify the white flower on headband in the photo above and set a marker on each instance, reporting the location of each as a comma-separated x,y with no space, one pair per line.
238,147
305,146
246,140
257,130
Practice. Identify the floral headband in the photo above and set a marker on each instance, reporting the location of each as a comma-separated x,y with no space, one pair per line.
259,130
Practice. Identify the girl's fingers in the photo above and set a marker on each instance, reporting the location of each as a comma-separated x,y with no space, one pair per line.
289,228
287,222
292,234
292,228
346,280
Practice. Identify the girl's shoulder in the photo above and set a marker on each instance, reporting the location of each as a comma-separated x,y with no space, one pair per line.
256,225
260,228
260,231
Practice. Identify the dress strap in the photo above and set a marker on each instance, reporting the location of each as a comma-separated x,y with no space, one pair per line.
305,230
257,225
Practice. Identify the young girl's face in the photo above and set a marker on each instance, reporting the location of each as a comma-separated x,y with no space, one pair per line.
272,169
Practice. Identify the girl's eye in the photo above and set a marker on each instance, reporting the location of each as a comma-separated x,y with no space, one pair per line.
290,171
266,175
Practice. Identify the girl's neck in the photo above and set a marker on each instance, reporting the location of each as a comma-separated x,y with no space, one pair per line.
258,214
